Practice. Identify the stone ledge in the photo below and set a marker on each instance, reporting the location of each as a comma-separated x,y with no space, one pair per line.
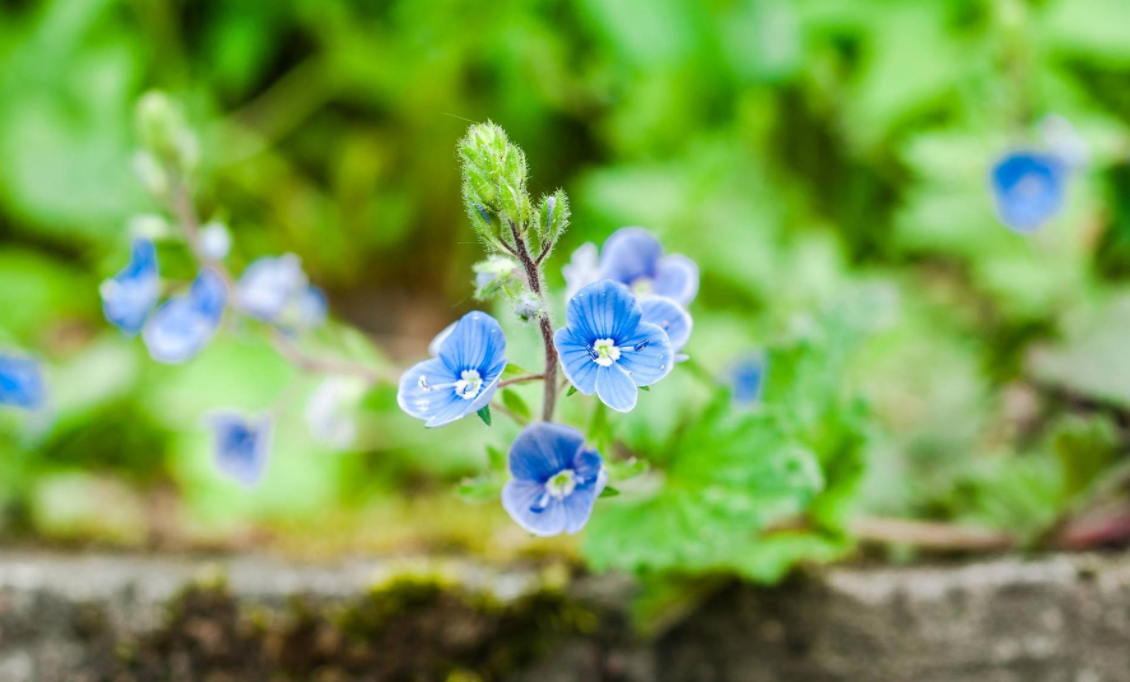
139,618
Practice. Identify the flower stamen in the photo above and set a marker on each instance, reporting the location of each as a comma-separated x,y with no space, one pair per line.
604,352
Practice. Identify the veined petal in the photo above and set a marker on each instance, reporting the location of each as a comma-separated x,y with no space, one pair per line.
652,361
629,254
543,449
578,506
419,398
677,278
523,501
669,316
615,388
477,343
576,362
603,310
433,347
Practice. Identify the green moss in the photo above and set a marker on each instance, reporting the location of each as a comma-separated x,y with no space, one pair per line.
411,628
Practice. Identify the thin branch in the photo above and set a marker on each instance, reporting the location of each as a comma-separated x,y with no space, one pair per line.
533,277
306,362
521,379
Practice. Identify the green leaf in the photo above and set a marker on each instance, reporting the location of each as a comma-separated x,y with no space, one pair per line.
623,470
512,370
484,414
485,488
609,491
497,459
514,402
645,388
571,391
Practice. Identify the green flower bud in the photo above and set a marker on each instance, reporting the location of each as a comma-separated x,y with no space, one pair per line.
494,183
553,217
494,275
164,133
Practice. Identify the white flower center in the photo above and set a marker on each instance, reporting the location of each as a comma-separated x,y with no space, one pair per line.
642,286
562,484
469,384
605,352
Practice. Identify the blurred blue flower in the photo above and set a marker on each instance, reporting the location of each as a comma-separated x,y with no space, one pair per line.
275,289
669,316
583,269
21,382
1028,189
747,376
606,348
183,325
241,445
215,240
633,256
463,377
556,480
129,296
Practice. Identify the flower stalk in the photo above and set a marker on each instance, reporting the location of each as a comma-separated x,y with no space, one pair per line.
534,279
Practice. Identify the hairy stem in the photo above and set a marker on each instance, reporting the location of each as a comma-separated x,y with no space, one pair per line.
533,277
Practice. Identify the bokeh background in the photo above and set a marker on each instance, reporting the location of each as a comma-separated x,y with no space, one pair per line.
795,149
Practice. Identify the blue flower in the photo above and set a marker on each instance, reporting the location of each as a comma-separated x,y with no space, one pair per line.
747,376
21,382
183,325
241,445
669,316
583,269
129,297
1028,189
633,257
276,290
462,378
556,480
606,348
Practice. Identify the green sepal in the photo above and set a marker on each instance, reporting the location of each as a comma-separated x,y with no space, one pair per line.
484,414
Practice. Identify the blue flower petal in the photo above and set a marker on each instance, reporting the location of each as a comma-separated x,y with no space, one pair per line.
268,284
583,269
677,278
616,389
603,310
21,382
417,398
241,446
540,452
312,308
578,506
129,297
630,254
543,449
184,325
434,345
476,342
652,361
747,377
669,316
1028,189
429,390
522,501
576,362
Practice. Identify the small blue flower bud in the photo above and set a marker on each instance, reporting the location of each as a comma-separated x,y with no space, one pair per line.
21,382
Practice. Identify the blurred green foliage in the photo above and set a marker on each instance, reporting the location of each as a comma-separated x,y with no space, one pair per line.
799,151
